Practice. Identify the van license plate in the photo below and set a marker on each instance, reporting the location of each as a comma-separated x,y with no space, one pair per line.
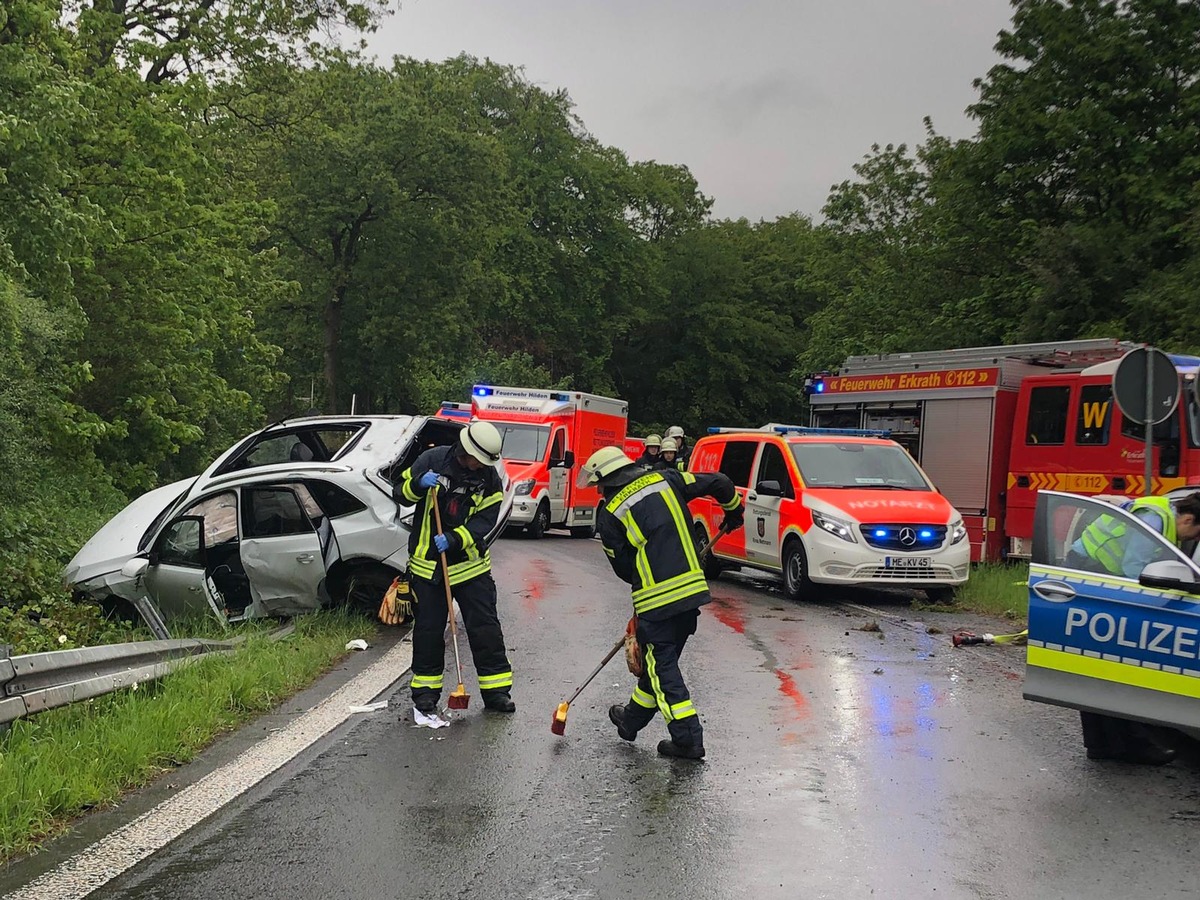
907,562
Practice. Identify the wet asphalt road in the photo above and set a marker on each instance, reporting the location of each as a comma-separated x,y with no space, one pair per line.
842,763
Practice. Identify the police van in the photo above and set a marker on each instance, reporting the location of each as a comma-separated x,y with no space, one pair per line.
1124,645
831,506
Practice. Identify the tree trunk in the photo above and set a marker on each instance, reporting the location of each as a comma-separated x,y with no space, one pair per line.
333,333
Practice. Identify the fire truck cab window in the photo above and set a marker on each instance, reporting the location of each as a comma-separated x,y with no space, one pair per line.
1047,415
1166,438
737,460
1095,415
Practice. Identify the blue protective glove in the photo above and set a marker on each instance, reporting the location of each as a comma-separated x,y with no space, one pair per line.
428,479
441,542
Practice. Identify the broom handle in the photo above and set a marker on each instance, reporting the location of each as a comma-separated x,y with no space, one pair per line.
437,518
621,641
596,671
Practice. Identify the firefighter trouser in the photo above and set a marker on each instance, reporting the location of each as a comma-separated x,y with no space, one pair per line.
477,600
661,687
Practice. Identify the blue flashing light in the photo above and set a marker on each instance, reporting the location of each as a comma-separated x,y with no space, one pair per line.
851,432
880,532
819,387
926,533
483,392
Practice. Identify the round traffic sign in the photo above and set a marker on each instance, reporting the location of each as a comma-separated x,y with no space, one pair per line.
1129,386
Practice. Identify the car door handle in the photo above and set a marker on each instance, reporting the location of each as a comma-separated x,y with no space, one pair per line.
305,558
1054,591
751,496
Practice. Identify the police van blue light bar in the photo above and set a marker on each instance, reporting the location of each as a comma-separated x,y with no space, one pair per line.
849,432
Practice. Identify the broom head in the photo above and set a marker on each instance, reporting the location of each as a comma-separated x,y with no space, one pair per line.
558,725
459,698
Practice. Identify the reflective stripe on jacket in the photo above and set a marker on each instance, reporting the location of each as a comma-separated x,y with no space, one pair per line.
469,503
648,535
1103,539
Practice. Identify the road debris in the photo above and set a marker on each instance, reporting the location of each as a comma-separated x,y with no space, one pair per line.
429,720
969,638
870,626
369,707
356,644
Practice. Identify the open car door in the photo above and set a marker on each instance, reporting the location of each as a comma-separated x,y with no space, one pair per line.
1115,644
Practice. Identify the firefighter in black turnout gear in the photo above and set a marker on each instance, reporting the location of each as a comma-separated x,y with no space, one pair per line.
469,498
647,534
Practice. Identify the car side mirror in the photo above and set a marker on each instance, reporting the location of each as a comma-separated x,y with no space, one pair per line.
138,565
769,489
1170,574
567,461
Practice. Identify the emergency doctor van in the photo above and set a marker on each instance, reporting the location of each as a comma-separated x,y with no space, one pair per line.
831,506
548,434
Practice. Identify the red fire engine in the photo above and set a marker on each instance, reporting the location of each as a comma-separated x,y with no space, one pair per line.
994,425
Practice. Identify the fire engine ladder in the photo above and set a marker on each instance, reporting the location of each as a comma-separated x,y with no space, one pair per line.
1071,355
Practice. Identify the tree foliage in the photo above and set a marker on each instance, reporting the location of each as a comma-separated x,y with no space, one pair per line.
211,216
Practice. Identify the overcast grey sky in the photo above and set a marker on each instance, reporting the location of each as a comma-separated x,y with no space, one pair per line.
768,102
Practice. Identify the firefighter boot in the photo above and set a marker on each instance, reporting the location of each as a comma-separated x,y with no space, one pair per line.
687,739
681,751
616,715
426,702
498,701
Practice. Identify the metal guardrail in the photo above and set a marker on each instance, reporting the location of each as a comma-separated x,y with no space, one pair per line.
36,682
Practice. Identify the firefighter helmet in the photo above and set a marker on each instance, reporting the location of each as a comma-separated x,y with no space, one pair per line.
653,440
482,441
601,464
670,445
675,432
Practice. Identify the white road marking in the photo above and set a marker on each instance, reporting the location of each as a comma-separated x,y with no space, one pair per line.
127,846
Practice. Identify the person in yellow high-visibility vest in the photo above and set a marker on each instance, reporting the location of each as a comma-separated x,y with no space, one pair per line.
1117,549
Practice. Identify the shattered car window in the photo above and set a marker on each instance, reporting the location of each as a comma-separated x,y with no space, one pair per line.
180,544
273,512
220,518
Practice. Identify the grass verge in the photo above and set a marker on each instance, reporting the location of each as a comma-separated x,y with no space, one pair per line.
996,589
61,763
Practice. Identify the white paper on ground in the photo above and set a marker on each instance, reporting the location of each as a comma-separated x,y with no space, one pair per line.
428,720
357,644
369,707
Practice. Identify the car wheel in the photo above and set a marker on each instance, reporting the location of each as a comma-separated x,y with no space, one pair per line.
584,531
796,583
943,595
365,587
541,521
713,567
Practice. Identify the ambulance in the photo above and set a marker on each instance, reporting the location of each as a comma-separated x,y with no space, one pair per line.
831,506
456,412
547,434
994,425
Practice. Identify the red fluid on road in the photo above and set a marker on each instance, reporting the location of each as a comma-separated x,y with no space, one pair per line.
728,616
787,687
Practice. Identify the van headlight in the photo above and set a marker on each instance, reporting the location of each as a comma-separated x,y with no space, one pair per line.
525,487
958,531
835,526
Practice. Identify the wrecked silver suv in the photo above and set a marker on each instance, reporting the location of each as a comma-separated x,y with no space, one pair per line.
293,518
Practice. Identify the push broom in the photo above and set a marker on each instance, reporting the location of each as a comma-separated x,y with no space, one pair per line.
459,698
558,724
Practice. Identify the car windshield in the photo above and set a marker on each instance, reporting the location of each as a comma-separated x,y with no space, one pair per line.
836,464
523,443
